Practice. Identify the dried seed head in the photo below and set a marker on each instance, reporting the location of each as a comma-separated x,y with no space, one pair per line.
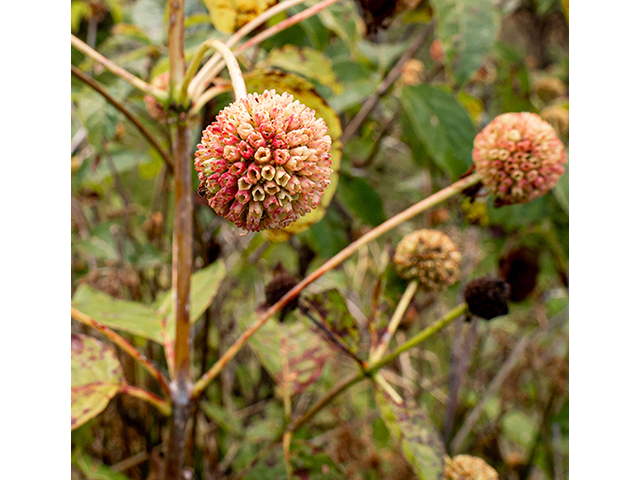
277,288
265,161
519,157
154,107
487,297
430,257
466,467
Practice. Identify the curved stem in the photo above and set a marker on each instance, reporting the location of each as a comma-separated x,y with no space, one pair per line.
208,71
121,108
124,345
395,320
237,82
206,97
336,260
154,400
118,70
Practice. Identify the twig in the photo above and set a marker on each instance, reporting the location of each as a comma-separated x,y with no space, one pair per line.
162,405
124,345
161,95
336,260
121,108
391,77
297,18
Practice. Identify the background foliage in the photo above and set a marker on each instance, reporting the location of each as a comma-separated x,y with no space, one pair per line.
482,59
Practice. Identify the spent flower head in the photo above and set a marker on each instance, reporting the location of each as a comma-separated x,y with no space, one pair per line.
466,467
519,157
487,297
430,257
265,161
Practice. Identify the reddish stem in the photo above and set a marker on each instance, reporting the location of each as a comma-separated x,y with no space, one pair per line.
336,260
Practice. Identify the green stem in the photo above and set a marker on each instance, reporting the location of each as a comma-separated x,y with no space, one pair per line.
141,128
154,400
140,84
336,260
395,320
420,337
124,345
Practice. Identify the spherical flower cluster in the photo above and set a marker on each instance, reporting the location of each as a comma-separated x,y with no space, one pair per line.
466,467
519,157
487,297
264,162
430,257
154,107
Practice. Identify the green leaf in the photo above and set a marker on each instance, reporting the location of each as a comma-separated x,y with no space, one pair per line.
307,62
442,125
294,342
131,317
204,286
362,199
468,30
561,190
332,306
419,439
96,376
94,470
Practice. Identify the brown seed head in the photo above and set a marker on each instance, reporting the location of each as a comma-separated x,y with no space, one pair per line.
430,257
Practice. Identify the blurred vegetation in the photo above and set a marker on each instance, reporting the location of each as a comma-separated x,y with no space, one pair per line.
480,58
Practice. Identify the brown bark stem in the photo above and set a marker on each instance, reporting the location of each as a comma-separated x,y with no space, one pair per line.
182,252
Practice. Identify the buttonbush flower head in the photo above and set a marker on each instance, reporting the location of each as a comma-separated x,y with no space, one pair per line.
519,157
466,467
430,257
264,162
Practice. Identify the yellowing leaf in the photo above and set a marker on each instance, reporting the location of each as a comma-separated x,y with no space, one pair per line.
96,376
228,16
307,62
260,80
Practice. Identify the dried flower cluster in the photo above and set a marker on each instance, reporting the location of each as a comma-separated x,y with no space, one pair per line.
519,157
264,162
487,297
430,257
466,467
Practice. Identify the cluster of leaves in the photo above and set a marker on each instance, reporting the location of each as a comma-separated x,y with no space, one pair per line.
481,59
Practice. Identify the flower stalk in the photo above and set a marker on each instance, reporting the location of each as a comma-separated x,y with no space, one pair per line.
237,81
333,262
